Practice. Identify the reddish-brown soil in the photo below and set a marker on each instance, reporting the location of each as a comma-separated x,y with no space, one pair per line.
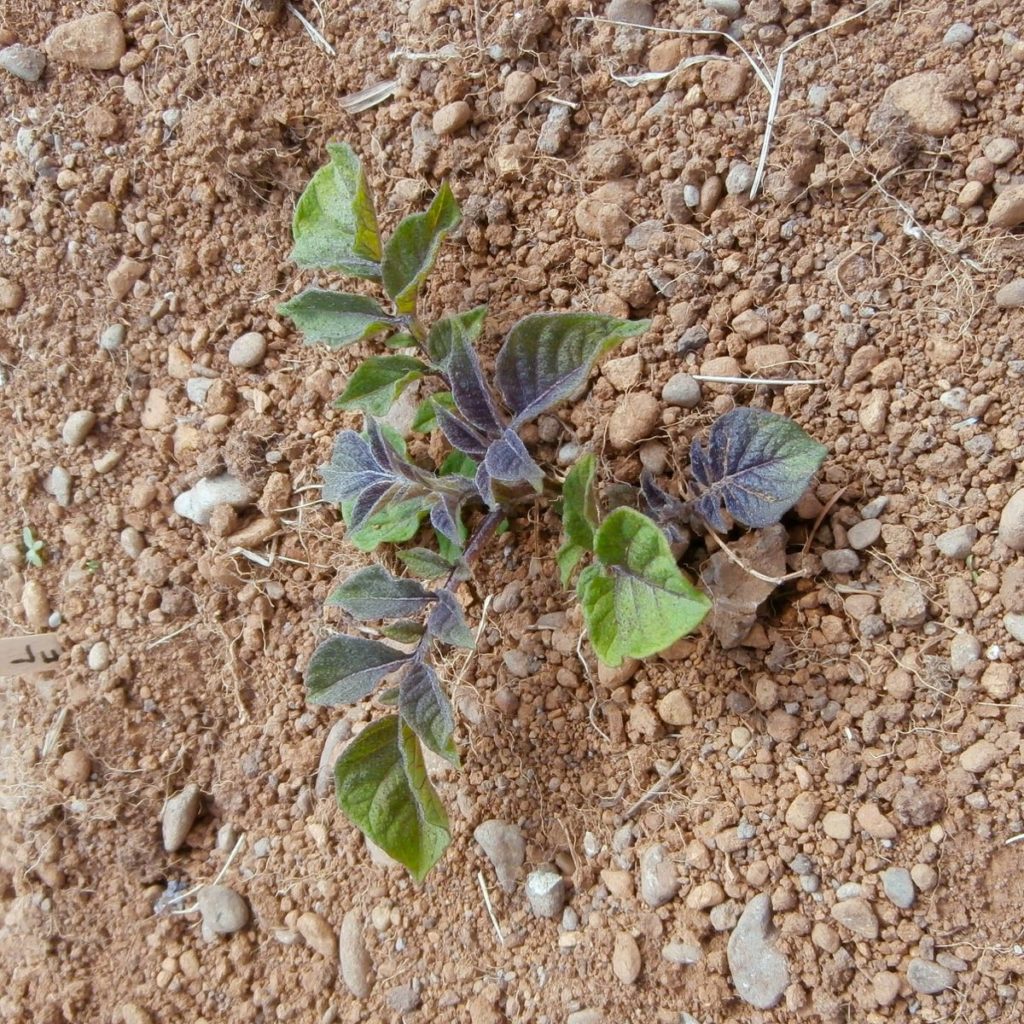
870,264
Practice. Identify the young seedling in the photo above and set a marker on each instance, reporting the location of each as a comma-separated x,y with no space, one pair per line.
634,598
35,548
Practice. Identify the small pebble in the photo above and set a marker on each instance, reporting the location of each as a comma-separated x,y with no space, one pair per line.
24,62
863,534
857,916
99,656
452,118
681,390
958,34
35,604
95,41
519,88
635,418
179,816
248,350
545,891
957,543
1011,295
841,562
224,912
928,977
356,966
112,337
318,934
739,179
659,880
77,427
75,767
504,847
899,887
626,962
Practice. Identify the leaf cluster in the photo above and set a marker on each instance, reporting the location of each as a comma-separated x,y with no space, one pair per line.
635,599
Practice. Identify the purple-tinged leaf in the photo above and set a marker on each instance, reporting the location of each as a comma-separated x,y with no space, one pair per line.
345,669
448,623
756,465
508,460
352,469
335,226
425,420
335,318
373,593
444,517
460,434
425,708
484,486
411,251
450,347
382,786
548,357
370,500
665,509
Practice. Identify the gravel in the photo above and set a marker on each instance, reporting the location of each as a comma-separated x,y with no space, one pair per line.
24,62
248,350
659,881
957,543
224,912
928,977
356,966
682,391
179,815
77,427
505,848
545,891
899,887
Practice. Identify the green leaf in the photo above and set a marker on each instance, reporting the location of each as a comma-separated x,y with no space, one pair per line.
579,503
394,524
426,564
425,707
635,600
378,381
457,464
411,251
382,785
335,318
425,420
547,358
335,225
373,593
345,669
567,559
405,631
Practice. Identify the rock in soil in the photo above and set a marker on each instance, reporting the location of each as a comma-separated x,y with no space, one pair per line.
626,962
759,971
356,966
95,41
318,934
505,849
545,892
224,912
179,816
23,62
928,977
659,880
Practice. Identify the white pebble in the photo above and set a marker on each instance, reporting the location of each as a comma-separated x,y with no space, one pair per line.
77,427
112,337
248,350
99,656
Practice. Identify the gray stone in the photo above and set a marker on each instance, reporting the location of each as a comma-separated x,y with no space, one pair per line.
555,131
24,62
1000,150
58,483
963,649
659,881
545,891
224,912
196,388
863,534
681,390
112,337
356,966
958,34
957,543
899,887
339,735
95,41
1011,295
198,502
928,977
759,971
403,999
857,916
504,847
841,562
633,12
247,350
739,179
1014,623
179,815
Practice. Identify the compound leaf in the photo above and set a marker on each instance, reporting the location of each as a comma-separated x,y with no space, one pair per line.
335,318
424,706
635,600
547,357
757,464
382,785
373,593
335,225
378,381
579,503
411,251
344,669
448,623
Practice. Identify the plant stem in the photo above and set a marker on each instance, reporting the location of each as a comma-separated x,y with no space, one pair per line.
483,534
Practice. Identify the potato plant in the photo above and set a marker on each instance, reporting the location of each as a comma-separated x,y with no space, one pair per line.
634,598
